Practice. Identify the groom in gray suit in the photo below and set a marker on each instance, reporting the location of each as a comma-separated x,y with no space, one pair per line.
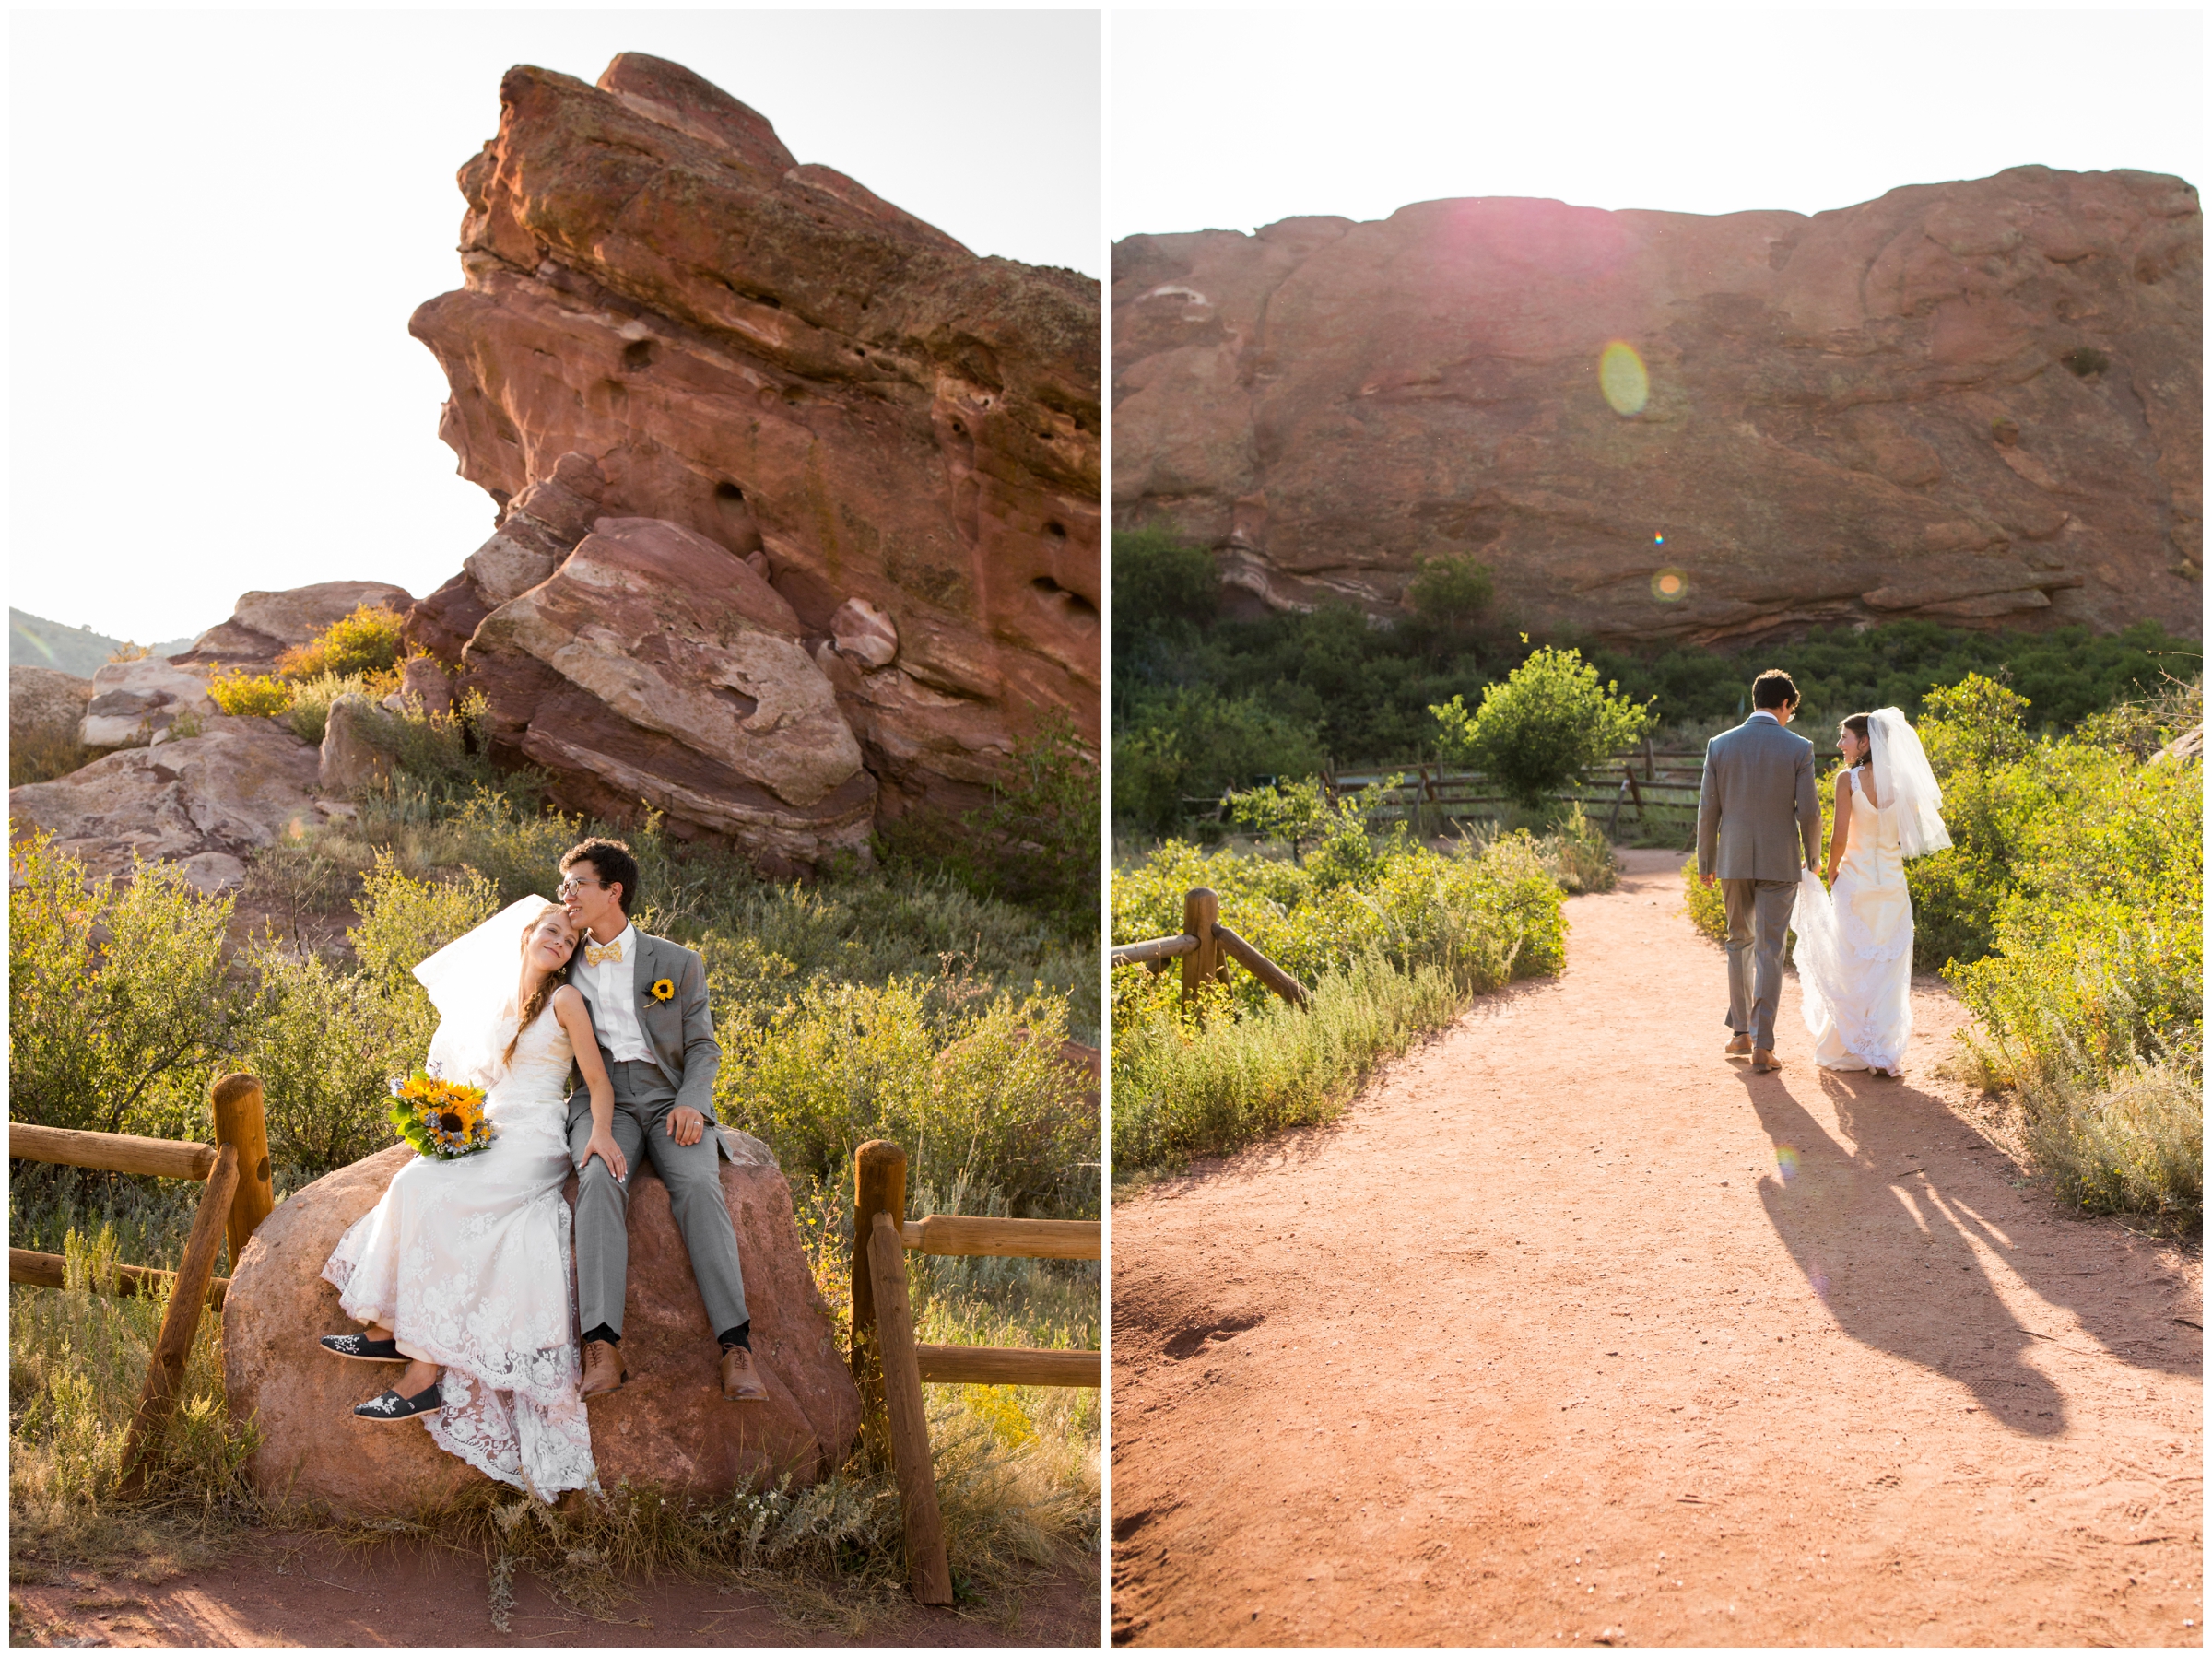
1757,808
649,1008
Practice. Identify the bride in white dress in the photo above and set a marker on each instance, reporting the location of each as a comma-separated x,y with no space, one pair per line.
1855,939
463,1267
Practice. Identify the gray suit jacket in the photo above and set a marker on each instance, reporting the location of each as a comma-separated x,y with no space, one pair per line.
1758,812
679,1028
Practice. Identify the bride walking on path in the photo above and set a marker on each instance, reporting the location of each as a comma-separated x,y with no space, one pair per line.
463,1267
1855,939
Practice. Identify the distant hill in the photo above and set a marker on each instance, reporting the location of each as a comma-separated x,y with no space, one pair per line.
33,642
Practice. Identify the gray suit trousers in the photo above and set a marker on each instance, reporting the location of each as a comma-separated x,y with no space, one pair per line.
693,1175
1759,918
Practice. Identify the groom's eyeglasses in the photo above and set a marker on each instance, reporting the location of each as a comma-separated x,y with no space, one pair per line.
572,886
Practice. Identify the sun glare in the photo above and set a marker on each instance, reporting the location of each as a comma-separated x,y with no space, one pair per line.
1621,376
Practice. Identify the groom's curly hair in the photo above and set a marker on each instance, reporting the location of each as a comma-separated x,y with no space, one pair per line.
1772,689
611,860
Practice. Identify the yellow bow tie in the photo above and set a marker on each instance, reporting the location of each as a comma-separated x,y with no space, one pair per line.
596,953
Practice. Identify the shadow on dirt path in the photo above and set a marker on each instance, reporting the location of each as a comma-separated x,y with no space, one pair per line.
1572,1331
306,1591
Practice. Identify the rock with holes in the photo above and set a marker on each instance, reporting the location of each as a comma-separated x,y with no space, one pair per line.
655,666
204,802
1976,403
669,1425
134,703
667,316
265,625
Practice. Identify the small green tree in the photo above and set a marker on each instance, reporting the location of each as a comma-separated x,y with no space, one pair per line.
1160,578
1451,592
1297,812
1534,732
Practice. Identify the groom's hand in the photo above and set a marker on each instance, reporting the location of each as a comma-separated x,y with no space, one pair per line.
1704,877
684,1125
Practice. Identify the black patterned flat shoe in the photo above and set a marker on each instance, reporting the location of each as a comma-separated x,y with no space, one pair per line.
362,1348
388,1405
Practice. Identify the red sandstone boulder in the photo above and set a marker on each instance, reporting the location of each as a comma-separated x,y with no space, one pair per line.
670,1425
265,625
1974,402
205,801
655,666
666,318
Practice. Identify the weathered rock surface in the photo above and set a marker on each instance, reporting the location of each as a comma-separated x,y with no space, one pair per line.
669,1424
656,665
265,625
356,752
45,705
205,801
134,703
666,318
1978,403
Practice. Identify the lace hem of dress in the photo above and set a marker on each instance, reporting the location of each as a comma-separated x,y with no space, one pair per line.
551,1377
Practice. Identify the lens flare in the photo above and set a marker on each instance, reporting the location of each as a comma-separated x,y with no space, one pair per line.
1670,587
1785,1159
1620,375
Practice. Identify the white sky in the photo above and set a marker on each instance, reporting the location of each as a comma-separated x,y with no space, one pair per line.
1233,119
220,222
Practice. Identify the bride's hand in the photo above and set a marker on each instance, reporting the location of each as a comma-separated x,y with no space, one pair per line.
602,1147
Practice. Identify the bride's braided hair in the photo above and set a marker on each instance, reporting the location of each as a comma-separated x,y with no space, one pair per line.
546,985
1860,725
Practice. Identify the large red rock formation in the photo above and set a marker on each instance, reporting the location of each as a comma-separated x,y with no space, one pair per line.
878,453
1978,403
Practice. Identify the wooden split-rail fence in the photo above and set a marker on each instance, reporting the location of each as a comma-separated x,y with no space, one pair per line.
1651,777
1206,947
238,1196
889,1364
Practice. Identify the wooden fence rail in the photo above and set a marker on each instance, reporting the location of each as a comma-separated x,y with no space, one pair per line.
237,1198
890,1366
1200,946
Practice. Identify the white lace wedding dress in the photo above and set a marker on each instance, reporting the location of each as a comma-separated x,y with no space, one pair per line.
1854,946
468,1263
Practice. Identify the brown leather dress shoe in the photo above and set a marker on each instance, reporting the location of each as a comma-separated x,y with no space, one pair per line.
1763,1060
1738,1047
741,1381
603,1370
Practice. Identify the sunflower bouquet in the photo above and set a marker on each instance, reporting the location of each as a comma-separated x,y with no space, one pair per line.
439,1118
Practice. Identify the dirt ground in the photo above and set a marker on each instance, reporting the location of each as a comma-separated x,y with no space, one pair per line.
1574,1331
305,1591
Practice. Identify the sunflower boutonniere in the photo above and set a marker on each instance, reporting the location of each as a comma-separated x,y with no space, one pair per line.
664,989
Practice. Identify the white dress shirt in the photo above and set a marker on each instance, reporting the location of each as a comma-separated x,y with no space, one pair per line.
612,989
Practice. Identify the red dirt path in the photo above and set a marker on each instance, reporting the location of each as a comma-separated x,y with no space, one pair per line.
304,1591
1573,1331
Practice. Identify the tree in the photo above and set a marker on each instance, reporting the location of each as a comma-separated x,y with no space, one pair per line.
1539,729
1296,812
1158,579
1450,593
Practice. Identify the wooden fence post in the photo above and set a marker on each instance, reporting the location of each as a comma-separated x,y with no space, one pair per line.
879,1187
180,1322
926,1569
1201,909
239,1120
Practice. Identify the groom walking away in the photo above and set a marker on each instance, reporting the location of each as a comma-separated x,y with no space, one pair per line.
1757,809
649,1008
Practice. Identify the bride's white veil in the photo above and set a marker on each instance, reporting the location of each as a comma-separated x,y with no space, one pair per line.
472,982
1901,778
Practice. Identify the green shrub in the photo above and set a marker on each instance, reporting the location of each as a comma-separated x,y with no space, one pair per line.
45,756
367,642
250,695
1191,1082
1535,732
1160,579
1451,592
1193,744
118,997
978,1097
